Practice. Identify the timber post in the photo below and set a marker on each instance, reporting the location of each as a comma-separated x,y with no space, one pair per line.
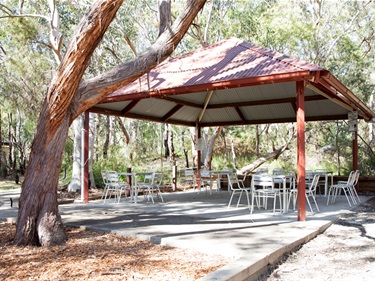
301,157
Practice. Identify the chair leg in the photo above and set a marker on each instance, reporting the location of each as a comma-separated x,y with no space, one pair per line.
329,193
351,191
239,199
252,202
356,194
230,200
150,194
248,200
158,193
346,195
316,205
308,202
274,202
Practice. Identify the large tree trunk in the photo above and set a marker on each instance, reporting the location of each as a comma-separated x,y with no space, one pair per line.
39,221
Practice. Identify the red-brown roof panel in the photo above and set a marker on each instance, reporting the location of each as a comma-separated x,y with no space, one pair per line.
230,59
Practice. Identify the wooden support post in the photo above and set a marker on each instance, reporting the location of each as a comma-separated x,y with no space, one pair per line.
86,158
301,160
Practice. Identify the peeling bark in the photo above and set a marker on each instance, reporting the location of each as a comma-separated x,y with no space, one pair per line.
39,222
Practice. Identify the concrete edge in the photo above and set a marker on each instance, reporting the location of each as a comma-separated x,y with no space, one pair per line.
240,269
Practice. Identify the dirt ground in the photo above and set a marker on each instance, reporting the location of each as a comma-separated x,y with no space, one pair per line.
345,251
89,255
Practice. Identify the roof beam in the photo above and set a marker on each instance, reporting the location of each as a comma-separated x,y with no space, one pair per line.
182,102
129,107
240,114
166,117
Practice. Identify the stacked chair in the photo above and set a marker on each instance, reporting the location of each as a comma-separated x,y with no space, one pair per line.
112,186
151,185
348,187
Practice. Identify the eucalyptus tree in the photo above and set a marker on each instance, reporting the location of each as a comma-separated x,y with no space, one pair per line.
39,221
31,48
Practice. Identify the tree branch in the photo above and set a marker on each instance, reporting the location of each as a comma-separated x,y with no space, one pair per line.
165,16
91,91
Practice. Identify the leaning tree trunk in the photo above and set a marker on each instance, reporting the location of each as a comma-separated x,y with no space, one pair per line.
39,221
272,155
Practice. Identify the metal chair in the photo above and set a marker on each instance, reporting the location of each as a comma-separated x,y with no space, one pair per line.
311,191
263,187
236,186
346,187
189,178
150,185
205,180
113,186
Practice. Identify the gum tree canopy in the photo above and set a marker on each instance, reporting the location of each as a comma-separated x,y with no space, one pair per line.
39,221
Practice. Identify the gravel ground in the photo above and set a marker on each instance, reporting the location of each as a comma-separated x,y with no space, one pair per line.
345,251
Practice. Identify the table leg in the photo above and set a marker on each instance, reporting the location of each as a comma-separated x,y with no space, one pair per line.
325,184
284,196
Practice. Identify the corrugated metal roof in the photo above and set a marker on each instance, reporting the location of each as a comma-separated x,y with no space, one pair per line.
249,85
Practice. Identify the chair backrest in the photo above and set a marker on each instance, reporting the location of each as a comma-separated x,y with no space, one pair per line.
351,178
243,177
314,183
104,176
309,175
189,173
261,171
157,178
264,181
321,171
205,173
149,178
226,171
278,172
112,177
233,182
292,180
356,177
